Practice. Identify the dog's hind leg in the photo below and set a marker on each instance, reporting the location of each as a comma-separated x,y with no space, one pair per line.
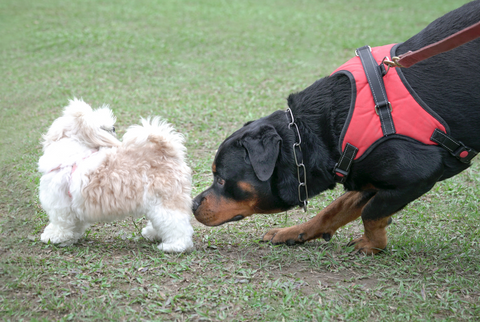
340,212
170,226
374,239
376,215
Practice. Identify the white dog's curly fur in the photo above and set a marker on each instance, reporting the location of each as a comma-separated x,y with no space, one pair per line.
89,176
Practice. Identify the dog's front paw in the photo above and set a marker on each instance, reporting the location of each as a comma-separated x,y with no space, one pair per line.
270,234
56,235
177,247
149,233
289,236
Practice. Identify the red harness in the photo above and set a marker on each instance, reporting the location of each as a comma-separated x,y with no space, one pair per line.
363,128
408,116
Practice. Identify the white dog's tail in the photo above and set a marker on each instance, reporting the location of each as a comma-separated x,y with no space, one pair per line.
159,132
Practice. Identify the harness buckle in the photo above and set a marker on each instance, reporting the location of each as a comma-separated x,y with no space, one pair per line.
464,154
377,107
393,62
456,148
340,175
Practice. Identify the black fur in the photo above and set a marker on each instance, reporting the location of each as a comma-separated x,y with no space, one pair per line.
399,170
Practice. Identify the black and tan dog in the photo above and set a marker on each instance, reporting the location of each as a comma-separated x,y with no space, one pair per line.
255,169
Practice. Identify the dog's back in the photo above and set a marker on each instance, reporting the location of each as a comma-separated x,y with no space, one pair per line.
449,83
150,165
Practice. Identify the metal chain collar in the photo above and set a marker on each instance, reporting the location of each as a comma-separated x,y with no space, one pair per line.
297,153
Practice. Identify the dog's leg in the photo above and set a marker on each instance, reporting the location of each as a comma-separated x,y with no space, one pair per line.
64,228
150,233
172,227
374,239
343,210
376,214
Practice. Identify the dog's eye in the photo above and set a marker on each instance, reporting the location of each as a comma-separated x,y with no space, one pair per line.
108,129
220,181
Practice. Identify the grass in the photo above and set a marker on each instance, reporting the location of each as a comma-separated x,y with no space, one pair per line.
208,67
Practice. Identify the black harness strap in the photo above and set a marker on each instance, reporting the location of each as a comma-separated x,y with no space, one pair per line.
342,168
383,108
374,74
456,148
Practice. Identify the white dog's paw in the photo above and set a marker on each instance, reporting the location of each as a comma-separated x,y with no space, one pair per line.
177,246
150,233
56,235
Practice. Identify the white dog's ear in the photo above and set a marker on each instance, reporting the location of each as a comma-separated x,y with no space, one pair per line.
98,128
92,127
89,127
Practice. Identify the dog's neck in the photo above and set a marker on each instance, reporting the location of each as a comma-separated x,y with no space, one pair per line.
322,108
320,112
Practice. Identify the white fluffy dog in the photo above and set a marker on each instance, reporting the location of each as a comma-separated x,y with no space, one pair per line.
89,176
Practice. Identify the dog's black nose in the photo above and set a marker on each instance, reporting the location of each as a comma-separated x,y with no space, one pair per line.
196,203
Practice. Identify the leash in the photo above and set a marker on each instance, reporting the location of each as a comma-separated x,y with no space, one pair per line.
410,58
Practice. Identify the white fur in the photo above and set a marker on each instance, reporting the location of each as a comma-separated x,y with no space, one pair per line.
90,176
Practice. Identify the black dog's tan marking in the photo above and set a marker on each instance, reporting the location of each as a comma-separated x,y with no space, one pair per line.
255,172
375,237
217,209
343,210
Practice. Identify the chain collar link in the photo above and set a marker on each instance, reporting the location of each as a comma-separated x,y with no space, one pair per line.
297,153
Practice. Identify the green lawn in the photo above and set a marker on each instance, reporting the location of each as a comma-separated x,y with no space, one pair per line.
208,67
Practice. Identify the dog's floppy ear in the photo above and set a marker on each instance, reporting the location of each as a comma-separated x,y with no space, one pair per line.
263,147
